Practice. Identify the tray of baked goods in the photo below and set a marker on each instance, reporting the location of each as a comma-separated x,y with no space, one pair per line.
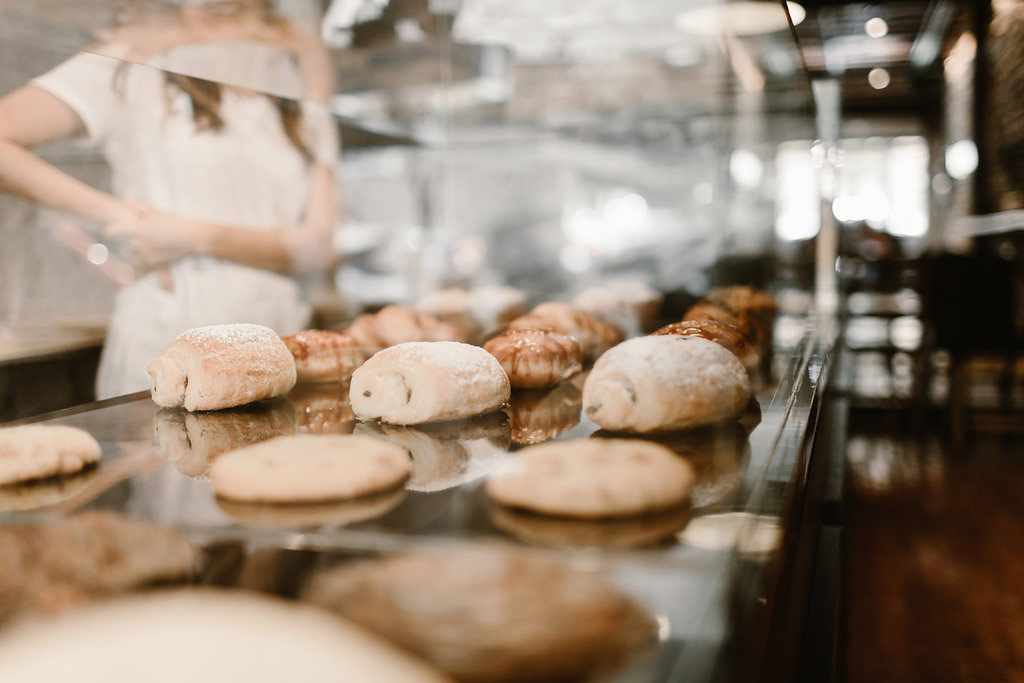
566,497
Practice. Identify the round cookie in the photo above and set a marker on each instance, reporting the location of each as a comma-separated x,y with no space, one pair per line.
307,468
593,478
36,451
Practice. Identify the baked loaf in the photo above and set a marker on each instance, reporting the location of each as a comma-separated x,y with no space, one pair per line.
594,478
203,636
535,358
490,615
324,356
661,383
36,451
594,336
306,469
193,440
421,382
222,366
727,336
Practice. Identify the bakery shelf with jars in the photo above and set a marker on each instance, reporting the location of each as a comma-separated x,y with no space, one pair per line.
475,337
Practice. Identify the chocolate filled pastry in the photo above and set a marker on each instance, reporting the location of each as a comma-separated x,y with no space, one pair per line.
537,416
324,356
664,383
322,408
490,614
560,532
594,336
724,334
222,366
535,358
192,441
421,382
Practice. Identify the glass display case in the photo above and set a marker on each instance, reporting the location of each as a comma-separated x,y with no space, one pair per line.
546,146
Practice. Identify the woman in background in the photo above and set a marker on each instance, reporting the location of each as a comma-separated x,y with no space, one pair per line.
212,117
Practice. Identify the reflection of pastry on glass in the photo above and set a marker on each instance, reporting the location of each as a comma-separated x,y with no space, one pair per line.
490,614
322,408
324,356
536,416
723,334
311,515
535,358
193,440
593,335
621,532
446,454
719,455
436,463
46,492
629,305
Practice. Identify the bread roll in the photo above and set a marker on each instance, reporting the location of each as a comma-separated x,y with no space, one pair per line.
221,366
594,336
535,358
36,451
324,356
727,336
666,382
421,382
193,440
490,615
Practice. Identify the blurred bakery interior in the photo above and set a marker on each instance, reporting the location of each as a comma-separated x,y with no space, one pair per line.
837,185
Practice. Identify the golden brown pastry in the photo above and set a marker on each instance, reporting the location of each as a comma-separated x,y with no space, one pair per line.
535,358
222,366
192,441
708,310
746,299
594,336
324,356
490,614
721,333
537,416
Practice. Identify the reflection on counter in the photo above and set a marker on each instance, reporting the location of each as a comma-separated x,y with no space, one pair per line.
309,515
536,416
751,535
322,408
560,532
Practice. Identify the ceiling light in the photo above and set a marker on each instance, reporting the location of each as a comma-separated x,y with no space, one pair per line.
739,18
876,27
879,78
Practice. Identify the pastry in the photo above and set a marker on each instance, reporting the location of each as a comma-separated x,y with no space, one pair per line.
322,408
421,382
537,416
324,356
664,383
593,478
719,312
36,451
721,333
202,636
193,440
535,358
395,325
306,468
222,366
560,532
312,515
488,614
629,306
593,335
746,299
364,330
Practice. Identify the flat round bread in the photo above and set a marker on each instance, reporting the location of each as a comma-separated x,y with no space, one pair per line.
662,383
488,614
202,636
308,468
593,478
36,451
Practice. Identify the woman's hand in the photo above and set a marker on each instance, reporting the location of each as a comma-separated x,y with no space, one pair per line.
149,238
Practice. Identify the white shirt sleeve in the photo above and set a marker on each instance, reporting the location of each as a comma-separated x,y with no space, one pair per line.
320,133
86,83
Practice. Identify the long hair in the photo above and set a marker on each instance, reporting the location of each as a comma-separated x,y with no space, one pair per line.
206,96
